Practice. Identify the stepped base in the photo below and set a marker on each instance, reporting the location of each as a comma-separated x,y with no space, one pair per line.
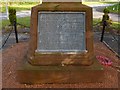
60,74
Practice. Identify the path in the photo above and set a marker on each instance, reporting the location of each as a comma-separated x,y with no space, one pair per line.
98,14
26,13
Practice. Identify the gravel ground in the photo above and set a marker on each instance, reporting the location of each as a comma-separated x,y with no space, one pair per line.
13,56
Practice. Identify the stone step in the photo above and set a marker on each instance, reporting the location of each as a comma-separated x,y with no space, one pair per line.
29,74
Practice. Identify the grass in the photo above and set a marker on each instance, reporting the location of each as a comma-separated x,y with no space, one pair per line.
19,7
4,23
96,21
98,3
24,21
115,25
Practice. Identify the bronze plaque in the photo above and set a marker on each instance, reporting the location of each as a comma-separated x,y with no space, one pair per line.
61,32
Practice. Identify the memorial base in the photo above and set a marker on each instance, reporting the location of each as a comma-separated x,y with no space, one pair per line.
29,74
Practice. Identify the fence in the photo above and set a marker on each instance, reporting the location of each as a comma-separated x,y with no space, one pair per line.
110,37
14,36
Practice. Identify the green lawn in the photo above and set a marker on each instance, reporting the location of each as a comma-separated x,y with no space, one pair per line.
4,23
24,21
19,7
99,3
115,25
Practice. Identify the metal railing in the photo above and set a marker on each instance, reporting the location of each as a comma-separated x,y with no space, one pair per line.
16,33
112,35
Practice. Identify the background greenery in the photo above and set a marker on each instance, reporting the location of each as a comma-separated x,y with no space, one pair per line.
19,6
27,5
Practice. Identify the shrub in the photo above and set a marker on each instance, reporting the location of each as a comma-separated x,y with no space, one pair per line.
106,10
12,15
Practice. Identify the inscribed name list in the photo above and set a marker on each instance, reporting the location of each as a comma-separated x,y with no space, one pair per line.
61,32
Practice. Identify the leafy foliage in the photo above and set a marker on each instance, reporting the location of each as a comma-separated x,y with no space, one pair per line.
106,10
12,15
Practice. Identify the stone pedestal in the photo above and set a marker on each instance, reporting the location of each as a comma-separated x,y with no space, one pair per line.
29,74
60,64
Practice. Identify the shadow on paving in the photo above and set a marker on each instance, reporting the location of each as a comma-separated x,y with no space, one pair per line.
112,41
22,37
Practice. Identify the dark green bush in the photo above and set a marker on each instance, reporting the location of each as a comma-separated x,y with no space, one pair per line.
106,10
12,15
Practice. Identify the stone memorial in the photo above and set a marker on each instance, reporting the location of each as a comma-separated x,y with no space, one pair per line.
61,45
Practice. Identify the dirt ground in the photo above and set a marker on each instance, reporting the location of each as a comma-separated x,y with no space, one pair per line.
12,57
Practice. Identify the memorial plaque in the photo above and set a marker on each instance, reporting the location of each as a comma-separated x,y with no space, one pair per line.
61,32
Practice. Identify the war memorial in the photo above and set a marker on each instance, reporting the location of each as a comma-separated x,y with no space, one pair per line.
61,46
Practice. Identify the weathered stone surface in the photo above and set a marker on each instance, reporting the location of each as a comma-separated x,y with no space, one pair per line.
60,74
61,32
68,48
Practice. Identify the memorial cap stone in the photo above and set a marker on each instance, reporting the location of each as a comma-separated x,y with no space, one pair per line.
62,1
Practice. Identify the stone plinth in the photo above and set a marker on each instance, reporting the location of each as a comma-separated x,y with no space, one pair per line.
29,74
46,61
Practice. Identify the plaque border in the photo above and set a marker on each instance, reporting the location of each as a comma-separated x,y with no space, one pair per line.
62,51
